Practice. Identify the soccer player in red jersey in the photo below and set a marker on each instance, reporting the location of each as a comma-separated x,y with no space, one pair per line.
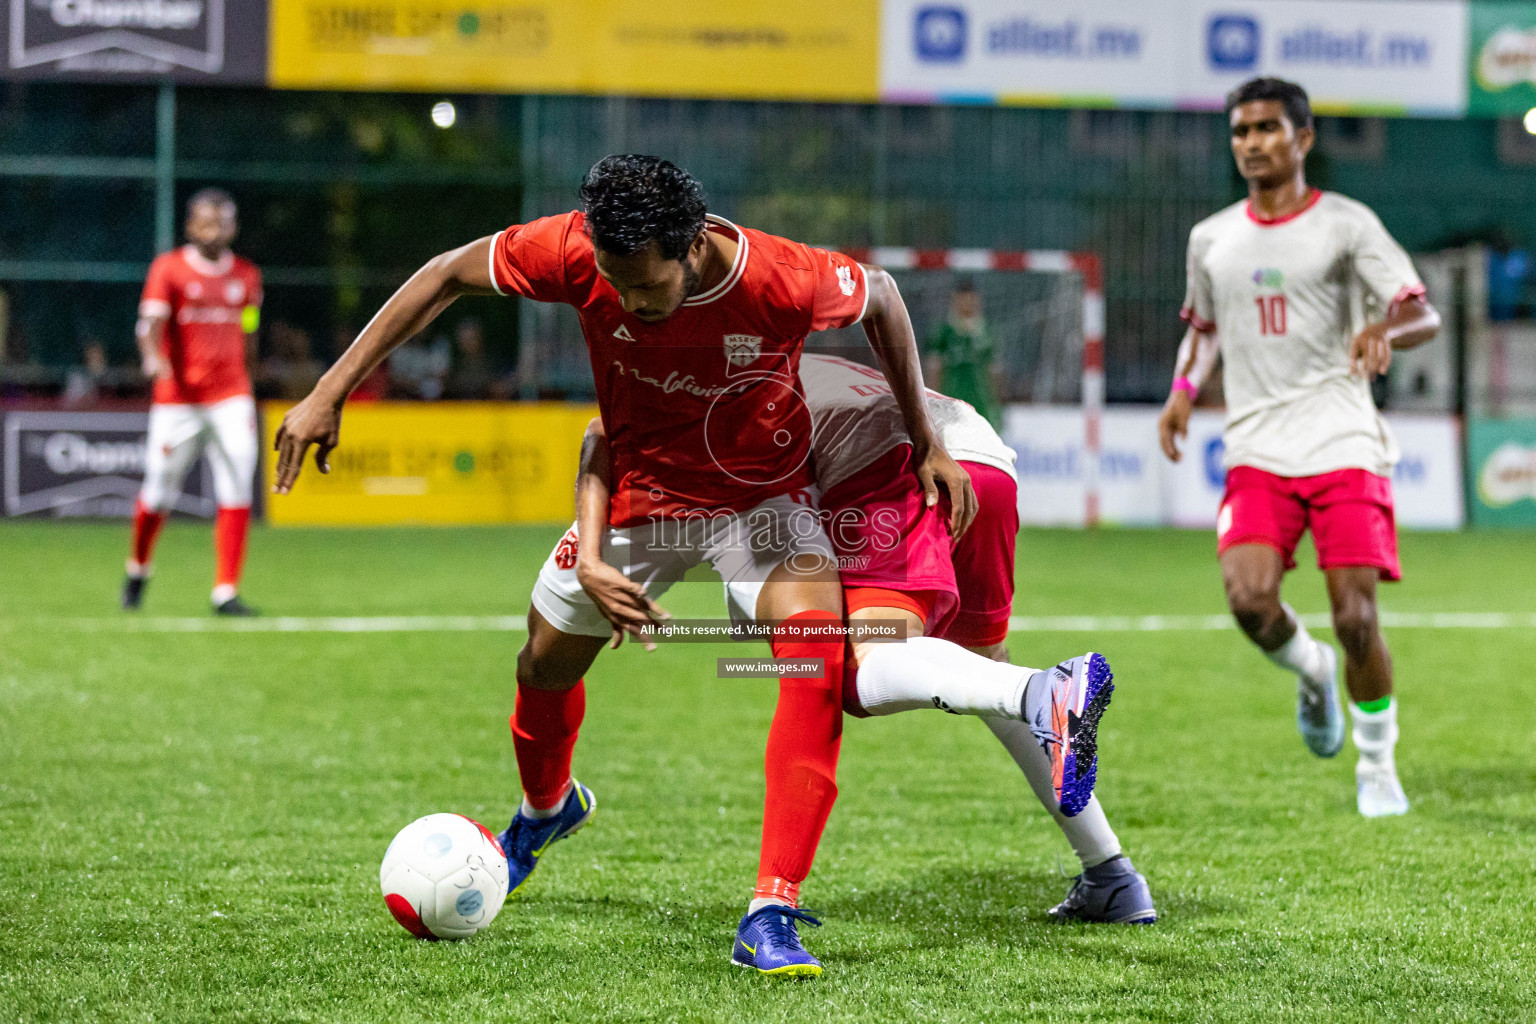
197,323
694,327
1304,295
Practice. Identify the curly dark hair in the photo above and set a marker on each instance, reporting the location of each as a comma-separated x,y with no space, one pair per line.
1298,109
631,200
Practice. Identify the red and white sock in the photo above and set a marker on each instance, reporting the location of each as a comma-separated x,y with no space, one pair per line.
544,727
146,530
230,528
800,763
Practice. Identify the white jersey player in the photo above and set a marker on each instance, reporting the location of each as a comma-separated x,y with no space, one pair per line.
898,561
1304,295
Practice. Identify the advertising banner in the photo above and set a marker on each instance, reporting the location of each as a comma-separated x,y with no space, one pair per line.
1502,65
1351,55
1138,486
461,462
198,42
69,464
1049,443
792,49
1502,454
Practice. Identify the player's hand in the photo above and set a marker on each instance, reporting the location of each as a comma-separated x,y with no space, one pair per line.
1370,354
621,601
314,421
155,367
1173,424
935,469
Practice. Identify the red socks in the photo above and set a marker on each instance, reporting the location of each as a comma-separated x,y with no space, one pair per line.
544,727
801,761
146,530
230,529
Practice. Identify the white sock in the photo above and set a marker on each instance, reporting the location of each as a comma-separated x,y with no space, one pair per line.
1301,654
539,813
1092,839
137,570
223,592
759,902
927,673
1375,734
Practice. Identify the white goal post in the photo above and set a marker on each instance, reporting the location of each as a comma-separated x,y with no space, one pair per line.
1062,321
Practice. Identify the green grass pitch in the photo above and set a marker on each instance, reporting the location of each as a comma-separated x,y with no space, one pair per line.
191,824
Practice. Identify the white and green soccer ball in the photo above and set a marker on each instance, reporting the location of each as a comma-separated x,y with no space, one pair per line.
444,877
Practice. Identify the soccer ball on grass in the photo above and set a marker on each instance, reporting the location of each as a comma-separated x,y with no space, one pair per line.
444,877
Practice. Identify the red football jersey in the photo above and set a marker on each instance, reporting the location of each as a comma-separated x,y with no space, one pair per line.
204,342
703,410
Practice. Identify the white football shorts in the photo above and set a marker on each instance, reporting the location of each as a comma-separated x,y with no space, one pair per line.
180,434
743,547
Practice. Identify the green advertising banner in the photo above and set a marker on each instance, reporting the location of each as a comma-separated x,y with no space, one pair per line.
1502,64
1502,460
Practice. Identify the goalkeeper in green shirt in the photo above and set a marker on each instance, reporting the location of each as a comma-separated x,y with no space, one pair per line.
961,349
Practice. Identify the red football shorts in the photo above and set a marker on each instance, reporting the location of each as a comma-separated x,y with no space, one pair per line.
885,537
1349,512
983,561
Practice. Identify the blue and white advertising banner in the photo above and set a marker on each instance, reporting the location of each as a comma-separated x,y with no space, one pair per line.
1100,52
1350,55
1407,56
1138,486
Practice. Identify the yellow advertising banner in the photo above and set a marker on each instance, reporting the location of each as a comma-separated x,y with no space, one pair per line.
789,49
460,462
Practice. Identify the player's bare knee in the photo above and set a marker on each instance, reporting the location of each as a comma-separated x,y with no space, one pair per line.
1356,625
1256,609
540,671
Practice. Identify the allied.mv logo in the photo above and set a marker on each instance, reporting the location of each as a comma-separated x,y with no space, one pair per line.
742,349
1232,42
938,33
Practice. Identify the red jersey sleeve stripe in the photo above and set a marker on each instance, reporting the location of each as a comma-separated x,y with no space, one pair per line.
1406,292
154,307
1199,323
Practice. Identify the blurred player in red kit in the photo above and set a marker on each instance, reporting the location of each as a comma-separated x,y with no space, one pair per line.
197,323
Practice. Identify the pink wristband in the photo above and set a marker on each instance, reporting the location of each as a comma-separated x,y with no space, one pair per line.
1185,384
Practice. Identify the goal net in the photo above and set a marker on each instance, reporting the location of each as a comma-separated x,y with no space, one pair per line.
1044,312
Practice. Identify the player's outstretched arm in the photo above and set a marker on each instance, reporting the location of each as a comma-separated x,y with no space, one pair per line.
1408,324
622,602
1196,360
889,329
317,419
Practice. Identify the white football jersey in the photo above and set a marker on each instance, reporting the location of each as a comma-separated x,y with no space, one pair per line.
1285,299
855,420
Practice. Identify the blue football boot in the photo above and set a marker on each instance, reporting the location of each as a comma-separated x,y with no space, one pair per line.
1062,707
769,942
526,839
1110,893
1319,712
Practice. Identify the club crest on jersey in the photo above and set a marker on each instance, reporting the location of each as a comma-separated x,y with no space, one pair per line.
742,349
1268,277
845,280
234,293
